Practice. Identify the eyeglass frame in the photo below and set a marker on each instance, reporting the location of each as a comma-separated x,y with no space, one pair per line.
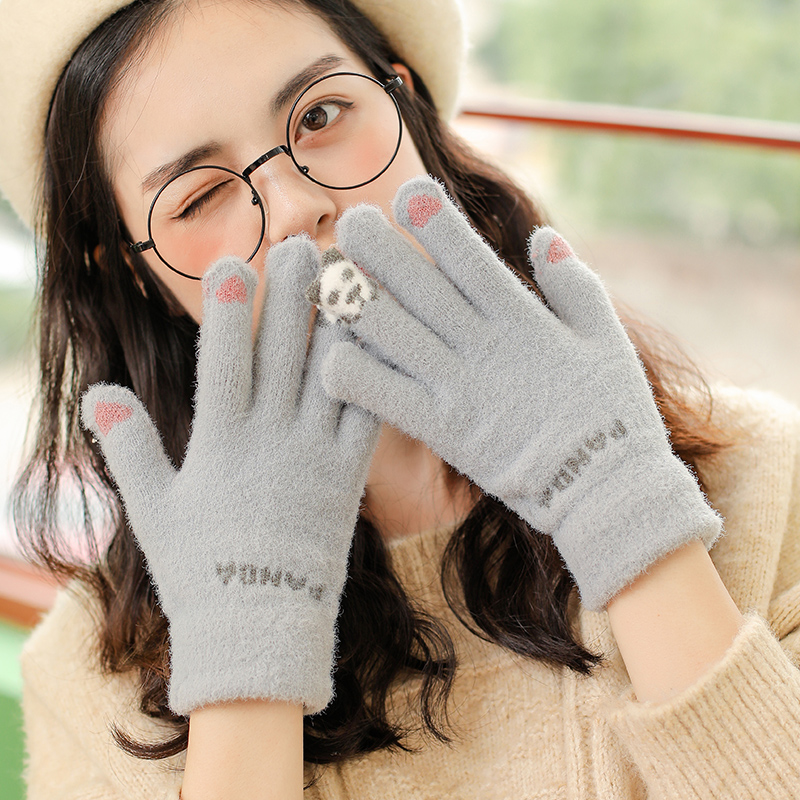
388,86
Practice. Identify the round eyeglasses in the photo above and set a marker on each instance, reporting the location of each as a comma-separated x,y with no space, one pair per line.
343,132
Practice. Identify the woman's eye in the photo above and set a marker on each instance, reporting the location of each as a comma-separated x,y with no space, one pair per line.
196,206
320,116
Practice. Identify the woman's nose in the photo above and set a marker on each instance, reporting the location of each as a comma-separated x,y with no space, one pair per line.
293,203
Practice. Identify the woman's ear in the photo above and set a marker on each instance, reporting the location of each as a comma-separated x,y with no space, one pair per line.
405,73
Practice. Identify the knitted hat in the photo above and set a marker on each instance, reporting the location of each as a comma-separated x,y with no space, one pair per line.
38,37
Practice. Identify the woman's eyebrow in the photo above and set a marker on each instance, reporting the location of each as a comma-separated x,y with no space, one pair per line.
166,172
298,82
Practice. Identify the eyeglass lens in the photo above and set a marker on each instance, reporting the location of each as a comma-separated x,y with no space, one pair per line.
344,131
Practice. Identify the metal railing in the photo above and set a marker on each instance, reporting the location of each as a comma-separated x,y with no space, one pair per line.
602,118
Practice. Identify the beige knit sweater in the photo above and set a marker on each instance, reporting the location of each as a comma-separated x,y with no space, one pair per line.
527,730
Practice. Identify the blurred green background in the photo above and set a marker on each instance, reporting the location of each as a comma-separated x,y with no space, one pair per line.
11,744
725,57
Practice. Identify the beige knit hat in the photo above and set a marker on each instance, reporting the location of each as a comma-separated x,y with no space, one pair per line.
38,37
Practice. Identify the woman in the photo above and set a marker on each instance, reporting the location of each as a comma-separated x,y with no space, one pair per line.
269,598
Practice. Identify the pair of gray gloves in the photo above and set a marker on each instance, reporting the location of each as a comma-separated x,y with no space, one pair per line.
546,408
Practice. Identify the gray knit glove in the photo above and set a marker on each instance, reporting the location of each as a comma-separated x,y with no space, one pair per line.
548,410
247,543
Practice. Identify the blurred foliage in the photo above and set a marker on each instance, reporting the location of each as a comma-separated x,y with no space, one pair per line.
722,57
16,295
16,309
10,223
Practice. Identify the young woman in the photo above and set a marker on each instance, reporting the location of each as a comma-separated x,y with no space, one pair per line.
433,541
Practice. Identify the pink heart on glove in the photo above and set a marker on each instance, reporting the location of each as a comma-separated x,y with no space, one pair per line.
232,290
559,250
421,207
108,415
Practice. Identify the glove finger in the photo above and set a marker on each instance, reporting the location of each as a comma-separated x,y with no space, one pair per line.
284,323
225,348
131,447
359,431
316,405
354,376
574,292
371,241
343,292
356,430
422,207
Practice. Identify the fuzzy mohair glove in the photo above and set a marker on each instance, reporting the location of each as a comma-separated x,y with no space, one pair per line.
546,408
247,543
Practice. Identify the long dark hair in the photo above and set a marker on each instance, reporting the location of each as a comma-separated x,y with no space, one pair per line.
101,318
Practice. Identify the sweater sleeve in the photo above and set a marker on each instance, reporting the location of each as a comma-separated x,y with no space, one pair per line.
735,732
732,734
68,708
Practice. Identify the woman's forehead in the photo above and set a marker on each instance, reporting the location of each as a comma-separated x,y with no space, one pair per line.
235,42
214,72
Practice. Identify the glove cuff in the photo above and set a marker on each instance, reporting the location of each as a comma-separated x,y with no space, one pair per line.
283,651
628,522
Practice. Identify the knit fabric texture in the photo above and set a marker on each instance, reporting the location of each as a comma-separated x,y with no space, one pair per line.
247,543
546,407
525,729
38,37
